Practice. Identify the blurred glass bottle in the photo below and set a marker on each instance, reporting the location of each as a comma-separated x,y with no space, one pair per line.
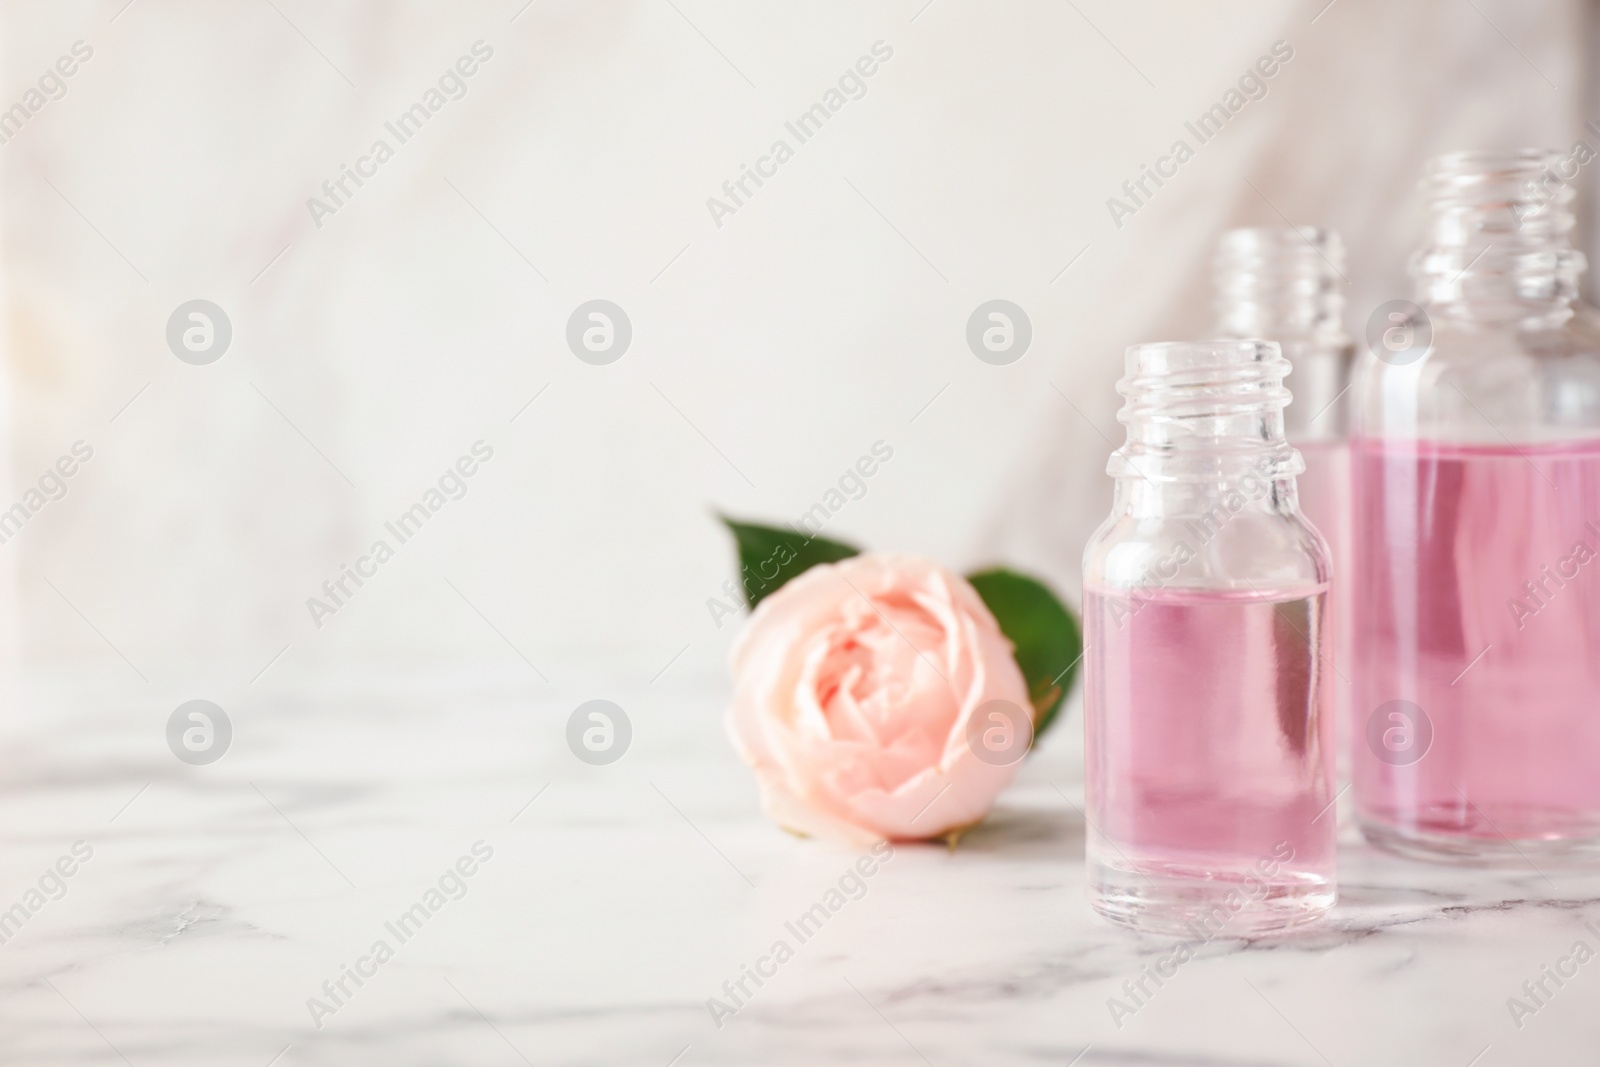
1282,284
1477,531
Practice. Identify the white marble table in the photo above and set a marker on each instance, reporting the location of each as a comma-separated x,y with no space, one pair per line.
622,898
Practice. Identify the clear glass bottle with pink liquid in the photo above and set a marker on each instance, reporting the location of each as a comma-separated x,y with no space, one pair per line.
1477,532
1285,284
1209,767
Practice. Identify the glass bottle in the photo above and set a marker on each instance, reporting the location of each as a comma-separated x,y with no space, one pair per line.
1209,765
1477,490
1282,283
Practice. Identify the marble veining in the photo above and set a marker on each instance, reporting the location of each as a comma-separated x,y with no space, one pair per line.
620,899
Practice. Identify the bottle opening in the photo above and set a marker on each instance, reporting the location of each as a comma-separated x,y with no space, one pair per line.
1161,373
1280,282
1498,235
1204,410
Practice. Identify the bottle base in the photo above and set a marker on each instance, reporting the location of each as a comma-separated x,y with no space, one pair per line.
1472,851
1203,908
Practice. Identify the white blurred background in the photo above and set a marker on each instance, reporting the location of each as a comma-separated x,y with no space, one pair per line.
768,353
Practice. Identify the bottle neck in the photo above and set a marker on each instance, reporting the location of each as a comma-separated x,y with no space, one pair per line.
1204,419
1280,283
1498,250
1284,283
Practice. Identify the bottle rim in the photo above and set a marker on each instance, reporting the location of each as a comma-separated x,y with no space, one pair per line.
1218,362
1498,242
1487,162
1204,410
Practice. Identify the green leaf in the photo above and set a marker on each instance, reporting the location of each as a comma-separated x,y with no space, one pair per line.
1045,633
770,556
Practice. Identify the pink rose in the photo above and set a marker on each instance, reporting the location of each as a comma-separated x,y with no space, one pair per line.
853,688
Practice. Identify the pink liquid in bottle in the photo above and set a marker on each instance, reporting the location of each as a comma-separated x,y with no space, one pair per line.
1478,570
1325,500
1210,779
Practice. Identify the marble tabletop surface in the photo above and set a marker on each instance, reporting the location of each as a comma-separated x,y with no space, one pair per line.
565,914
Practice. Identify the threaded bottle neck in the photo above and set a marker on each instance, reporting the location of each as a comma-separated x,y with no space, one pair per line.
1284,283
1280,282
1204,411
1498,244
